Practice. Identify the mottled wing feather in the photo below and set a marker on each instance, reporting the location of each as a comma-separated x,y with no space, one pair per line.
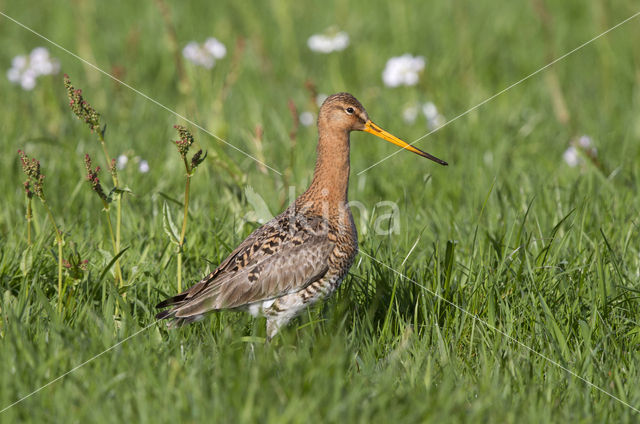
283,256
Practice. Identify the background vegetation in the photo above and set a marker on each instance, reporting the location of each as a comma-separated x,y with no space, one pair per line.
544,252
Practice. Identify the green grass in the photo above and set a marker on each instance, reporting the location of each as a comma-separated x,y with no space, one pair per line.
547,254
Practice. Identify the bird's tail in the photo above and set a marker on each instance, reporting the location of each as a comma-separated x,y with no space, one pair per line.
175,302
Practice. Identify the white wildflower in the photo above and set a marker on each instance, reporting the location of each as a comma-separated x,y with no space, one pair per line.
429,111
585,141
434,119
307,118
19,62
403,70
13,75
205,54
143,166
28,79
319,43
571,156
42,63
194,53
587,145
215,47
122,161
409,114
327,43
191,51
25,70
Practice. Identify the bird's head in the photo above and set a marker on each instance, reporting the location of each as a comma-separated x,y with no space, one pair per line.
343,112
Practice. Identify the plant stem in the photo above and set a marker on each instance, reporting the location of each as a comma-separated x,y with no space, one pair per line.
116,243
179,273
60,275
113,240
59,241
186,207
29,217
114,176
184,223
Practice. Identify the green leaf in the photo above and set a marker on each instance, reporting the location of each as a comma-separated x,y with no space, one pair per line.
110,264
559,337
261,212
169,227
449,259
26,261
122,190
171,199
250,339
117,191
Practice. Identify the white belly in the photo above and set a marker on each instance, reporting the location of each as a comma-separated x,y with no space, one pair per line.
257,308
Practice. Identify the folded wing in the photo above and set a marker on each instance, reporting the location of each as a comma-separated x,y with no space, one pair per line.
283,256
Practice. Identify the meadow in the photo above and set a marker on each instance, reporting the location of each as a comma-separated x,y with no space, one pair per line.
510,291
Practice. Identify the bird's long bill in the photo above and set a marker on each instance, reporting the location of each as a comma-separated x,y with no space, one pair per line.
372,128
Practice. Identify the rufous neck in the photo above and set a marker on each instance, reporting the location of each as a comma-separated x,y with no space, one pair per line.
331,175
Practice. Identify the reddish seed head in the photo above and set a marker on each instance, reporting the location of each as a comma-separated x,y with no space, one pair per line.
186,140
35,180
80,107
93,178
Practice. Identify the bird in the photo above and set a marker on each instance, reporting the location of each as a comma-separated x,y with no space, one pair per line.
302,255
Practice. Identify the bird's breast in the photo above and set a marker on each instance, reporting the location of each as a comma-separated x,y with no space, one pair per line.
343,233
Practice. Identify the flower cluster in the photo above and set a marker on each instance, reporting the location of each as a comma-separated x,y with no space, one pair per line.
185,142
434,118
330,41
584,144
410,114
204,54
26,69
403,70
80,106
197,159
571,156
429,111
122,161
35,180
94,179
143,166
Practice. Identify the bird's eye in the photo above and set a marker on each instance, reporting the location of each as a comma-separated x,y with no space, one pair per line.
349,110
